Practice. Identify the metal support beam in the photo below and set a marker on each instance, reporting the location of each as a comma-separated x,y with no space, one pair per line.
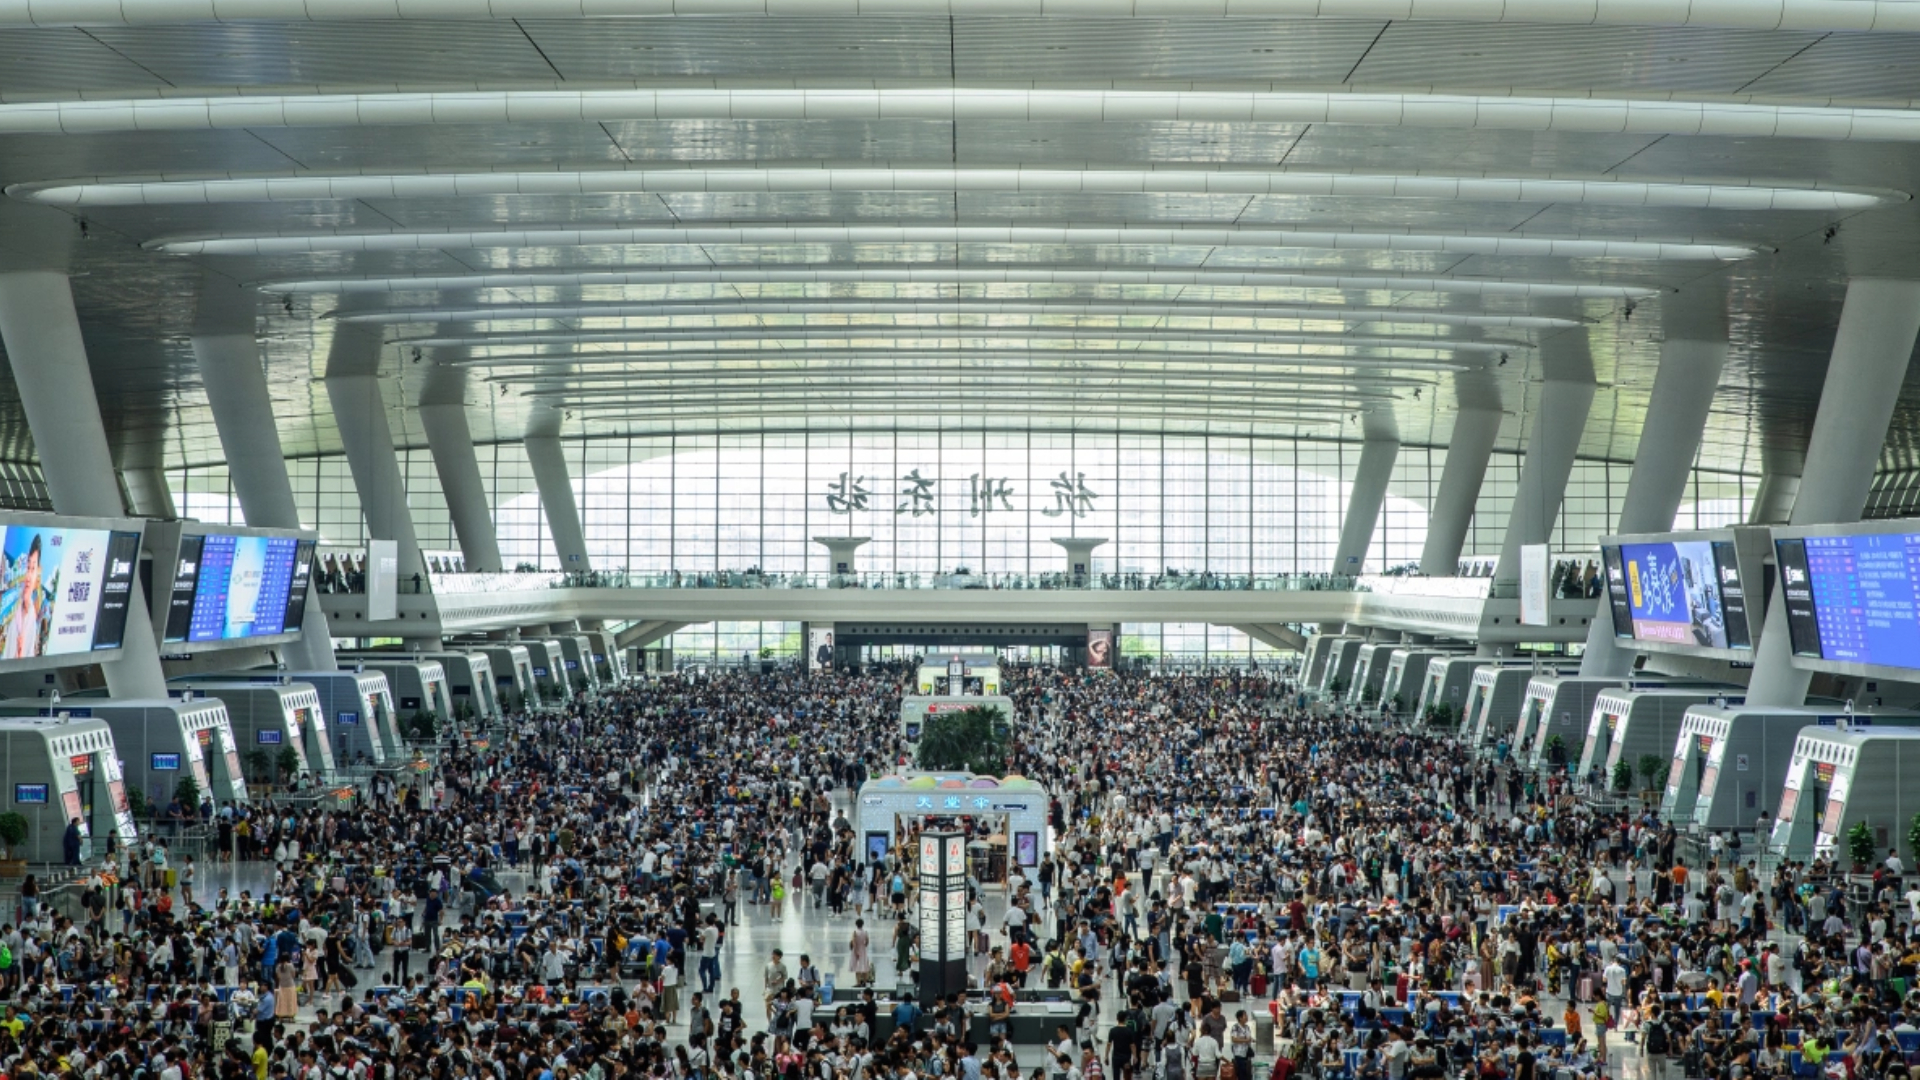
1871,352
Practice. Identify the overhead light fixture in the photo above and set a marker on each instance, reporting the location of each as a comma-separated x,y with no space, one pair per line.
948,274
1883,16
944,102
307,186
985,351
1234,236
756,307
962,333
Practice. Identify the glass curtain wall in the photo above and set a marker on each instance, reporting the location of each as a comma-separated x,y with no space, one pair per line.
986,501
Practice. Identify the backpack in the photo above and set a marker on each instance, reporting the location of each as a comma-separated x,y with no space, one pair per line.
6,957
1056,966
1656,1038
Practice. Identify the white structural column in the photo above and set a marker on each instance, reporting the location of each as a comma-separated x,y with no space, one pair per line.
353,390
840,552
1871,351
1377,455
1780,472
1676,417
41,333
147,492
1557,424
1079,551
549,463
451,442
236,385
1474,432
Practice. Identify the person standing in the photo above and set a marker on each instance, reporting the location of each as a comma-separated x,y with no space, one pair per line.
859,954
1240,1045
773,979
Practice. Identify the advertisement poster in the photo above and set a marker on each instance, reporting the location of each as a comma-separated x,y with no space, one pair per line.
1100,648
1673,591
1534,584
51,589
819,648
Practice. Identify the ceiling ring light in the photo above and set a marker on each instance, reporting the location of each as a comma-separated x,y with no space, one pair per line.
233,110
1884,16
1748,195
1500,244
754,307
947,274
1041,333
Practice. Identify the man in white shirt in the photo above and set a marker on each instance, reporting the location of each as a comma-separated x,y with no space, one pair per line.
1615,978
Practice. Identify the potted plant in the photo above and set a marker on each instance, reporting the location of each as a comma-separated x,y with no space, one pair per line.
259,763
1398,704
1860,846
187,792
13,834
1650,766
288,759
1913,835
1337,687
1557,751
1622,777
137,803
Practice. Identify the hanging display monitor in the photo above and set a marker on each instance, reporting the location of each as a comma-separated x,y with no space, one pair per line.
65,584
297,592
1852,596
235,585
1685,592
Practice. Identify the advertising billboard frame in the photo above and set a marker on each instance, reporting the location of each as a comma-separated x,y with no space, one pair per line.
1753,553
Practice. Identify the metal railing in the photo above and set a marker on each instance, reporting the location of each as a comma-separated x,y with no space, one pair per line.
455,584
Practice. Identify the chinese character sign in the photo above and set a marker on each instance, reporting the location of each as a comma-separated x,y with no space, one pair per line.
917,496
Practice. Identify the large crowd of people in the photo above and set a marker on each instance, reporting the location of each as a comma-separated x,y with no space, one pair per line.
1236,880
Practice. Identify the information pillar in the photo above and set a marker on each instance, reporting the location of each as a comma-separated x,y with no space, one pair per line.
943,915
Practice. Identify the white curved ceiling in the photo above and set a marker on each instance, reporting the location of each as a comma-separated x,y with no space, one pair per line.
1209,215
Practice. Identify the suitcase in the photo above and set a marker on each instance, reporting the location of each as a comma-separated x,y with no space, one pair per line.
1584,991
1402,986
1259,984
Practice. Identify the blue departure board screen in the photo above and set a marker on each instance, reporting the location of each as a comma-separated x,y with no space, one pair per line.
1854,599
242,587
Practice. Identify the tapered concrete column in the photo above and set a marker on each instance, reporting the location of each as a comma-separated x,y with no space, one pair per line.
1871,351
353,389
41,333
1474,432
148,492
236,386
1079,551
1561,416
1363,504
1780,472
451,442
1670,437
840,553
549,463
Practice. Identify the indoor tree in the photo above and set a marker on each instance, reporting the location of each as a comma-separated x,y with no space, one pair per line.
973,739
